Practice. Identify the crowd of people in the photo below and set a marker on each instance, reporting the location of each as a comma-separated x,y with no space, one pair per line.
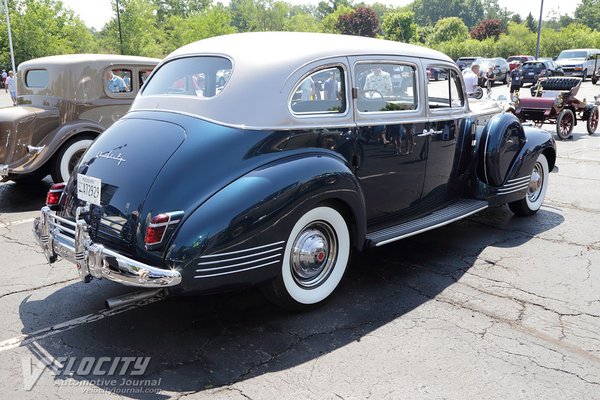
475,79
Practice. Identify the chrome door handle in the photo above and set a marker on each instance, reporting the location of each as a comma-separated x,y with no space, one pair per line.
426,132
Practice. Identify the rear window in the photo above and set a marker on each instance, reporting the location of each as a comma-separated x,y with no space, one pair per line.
534,66
192,76
36,78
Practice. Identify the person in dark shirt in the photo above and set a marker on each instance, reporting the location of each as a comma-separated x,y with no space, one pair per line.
516,75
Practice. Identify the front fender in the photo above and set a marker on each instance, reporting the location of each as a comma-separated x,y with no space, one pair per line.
240,228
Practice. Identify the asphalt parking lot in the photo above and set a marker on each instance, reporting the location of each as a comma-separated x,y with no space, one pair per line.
491,307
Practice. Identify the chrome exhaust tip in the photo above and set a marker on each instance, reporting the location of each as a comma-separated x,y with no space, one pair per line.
135,297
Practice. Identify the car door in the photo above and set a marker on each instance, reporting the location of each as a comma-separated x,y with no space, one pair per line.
389,114
447,109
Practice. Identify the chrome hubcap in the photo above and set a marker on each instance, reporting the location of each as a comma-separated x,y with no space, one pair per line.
536,183
313,254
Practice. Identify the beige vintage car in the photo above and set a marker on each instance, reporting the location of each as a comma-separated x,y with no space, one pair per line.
64,102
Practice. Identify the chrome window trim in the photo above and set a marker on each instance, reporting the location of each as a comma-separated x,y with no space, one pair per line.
320,114
416,81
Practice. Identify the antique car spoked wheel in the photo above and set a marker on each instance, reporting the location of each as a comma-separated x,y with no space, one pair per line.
565,123
68,157
315,259
536,191
592,121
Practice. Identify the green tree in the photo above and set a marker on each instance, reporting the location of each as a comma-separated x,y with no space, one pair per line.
328,7
429,12
139,28
180,8
303,23
588,13
329,22
212,21
451,28
399,26
43,28
530,23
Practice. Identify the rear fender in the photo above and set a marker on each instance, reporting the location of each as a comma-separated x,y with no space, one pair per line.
258,210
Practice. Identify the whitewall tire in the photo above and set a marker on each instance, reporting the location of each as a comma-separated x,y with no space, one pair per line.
536,191
68,157
315,259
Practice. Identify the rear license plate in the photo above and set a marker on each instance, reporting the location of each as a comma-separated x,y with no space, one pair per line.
530,73
89,189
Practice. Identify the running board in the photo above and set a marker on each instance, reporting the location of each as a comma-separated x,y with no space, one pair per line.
453,212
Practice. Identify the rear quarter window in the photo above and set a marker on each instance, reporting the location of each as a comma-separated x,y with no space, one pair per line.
36,78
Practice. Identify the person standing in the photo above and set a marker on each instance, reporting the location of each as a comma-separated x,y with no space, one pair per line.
471,79
11,84
489,83
516,75
4,76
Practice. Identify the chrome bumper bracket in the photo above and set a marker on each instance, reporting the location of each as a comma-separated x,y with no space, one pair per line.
71,240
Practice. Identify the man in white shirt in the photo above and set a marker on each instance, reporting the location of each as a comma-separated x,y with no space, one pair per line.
471,79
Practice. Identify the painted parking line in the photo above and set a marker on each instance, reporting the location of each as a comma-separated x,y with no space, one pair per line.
23,340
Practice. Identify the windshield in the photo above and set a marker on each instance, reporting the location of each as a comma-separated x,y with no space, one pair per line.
572,54
191,76
485,63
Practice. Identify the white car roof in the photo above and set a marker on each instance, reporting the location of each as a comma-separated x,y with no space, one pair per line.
266,66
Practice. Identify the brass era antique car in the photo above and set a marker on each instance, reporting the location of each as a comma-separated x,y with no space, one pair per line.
554,102
266,158
64,102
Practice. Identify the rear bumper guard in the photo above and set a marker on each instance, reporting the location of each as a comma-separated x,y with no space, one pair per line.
70,240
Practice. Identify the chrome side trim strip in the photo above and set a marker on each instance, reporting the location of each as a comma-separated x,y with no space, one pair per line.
240,258
522,178
239,264
242,251
236,271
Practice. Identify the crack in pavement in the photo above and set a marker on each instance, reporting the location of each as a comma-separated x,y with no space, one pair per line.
38,287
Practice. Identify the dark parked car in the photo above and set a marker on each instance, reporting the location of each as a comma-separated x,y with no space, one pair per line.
64,103
250,184
465,62
498,65
533,70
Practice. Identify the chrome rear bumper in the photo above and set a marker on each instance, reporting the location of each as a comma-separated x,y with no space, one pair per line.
70,240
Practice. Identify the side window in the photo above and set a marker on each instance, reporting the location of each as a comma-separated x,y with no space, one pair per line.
320,92
386,87
445,93
117,80
36,78
143,76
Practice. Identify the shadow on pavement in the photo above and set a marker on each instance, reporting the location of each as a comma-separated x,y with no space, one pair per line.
202,342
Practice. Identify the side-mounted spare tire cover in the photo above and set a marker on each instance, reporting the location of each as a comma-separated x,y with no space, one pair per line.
501,141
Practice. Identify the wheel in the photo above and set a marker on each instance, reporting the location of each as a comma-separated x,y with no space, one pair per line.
314,262
594,79
592,121
536,192
564,124
68,156
478,93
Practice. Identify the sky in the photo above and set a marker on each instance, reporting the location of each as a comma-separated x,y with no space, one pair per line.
95,13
